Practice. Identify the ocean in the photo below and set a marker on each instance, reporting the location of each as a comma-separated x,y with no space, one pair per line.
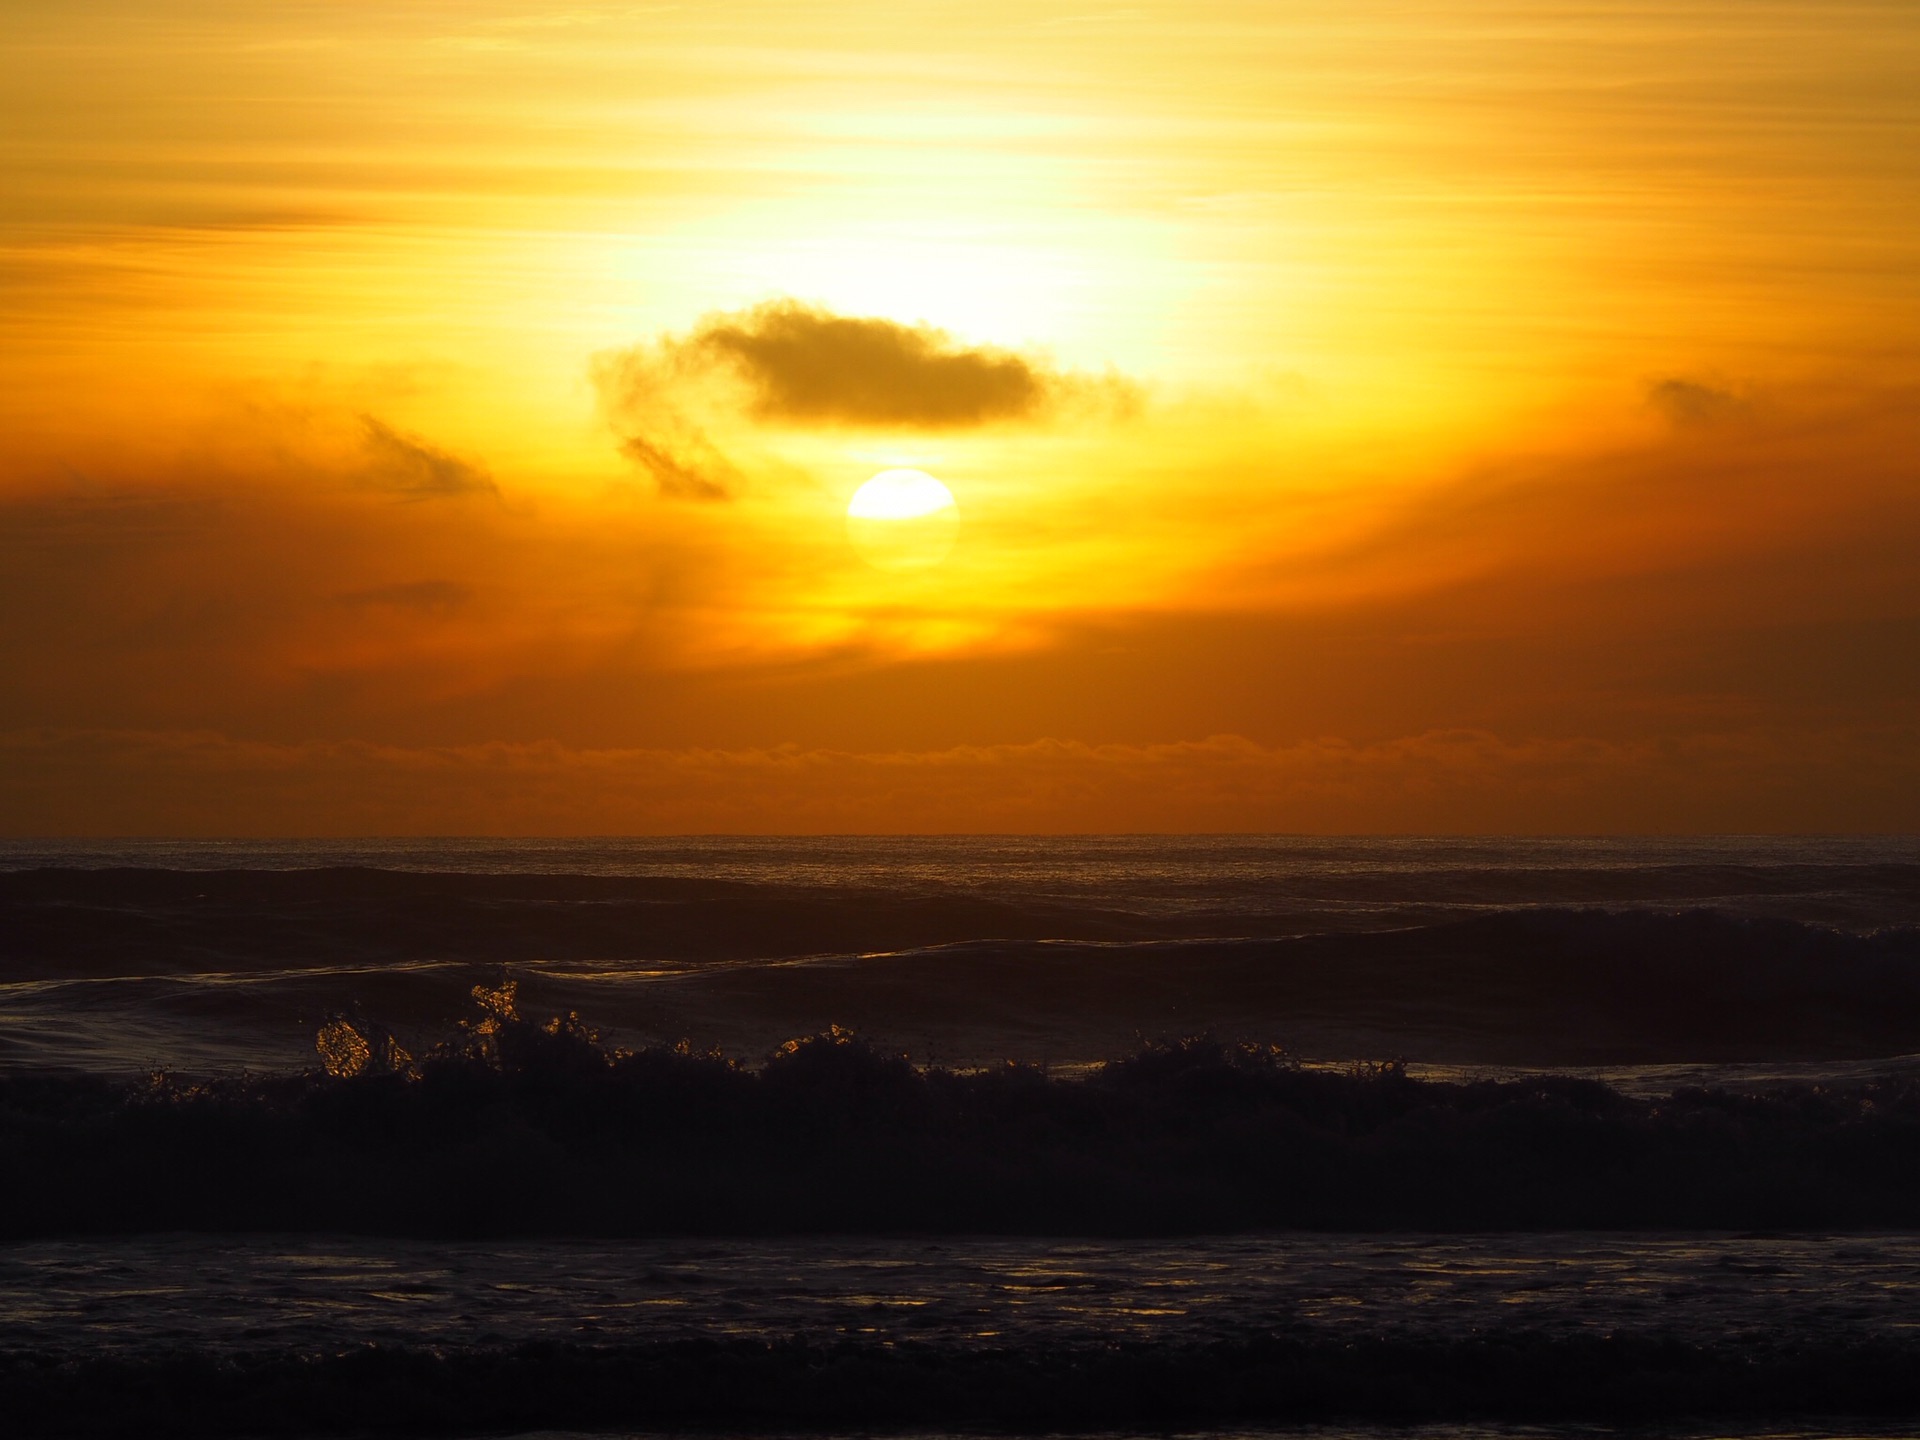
1212,1135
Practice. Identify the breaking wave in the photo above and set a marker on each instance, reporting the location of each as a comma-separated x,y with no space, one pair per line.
514,1127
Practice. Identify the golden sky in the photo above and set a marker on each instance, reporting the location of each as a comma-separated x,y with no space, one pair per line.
441,417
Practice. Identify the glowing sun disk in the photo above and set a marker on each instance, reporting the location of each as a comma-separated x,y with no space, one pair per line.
902,520
899,495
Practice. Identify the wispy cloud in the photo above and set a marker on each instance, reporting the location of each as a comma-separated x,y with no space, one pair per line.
408,466
704,474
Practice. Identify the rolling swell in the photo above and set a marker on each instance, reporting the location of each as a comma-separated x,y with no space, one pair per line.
67,921
123,969
1548,987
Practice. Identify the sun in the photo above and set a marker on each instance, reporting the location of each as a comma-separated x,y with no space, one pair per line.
903,520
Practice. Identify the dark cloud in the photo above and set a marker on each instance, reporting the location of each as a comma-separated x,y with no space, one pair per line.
1691,402
812,365
785,362
678,476
408,466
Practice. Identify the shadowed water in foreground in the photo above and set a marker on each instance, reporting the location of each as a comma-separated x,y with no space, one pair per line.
190,1335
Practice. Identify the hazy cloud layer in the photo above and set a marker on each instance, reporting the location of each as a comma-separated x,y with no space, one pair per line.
204,783
1643,636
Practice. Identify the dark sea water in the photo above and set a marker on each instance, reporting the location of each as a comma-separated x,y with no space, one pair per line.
1751,1005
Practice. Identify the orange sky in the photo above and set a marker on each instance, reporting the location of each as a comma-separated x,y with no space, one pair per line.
441,417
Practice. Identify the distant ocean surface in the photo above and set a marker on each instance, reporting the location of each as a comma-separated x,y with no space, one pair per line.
1605,955
1267,873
